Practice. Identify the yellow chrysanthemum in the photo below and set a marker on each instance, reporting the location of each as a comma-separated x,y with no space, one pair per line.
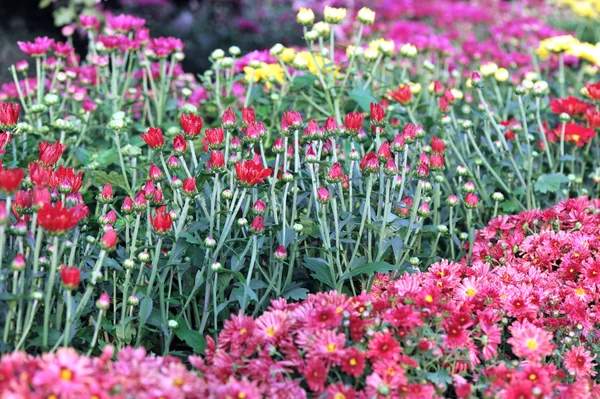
586,51
267,73
556,44
321,63
288,55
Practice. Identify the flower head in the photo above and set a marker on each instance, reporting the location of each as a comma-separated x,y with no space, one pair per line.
191,125
251,172
154,138
57,219
70,276
10,179
9,115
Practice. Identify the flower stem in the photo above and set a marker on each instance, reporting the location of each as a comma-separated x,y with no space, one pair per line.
48,296
97,330
68,319
157,250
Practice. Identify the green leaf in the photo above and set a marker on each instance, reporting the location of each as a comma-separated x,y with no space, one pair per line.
550,182
363,98
369,269
238,275
296,294
63,16
113,178
193,338
307,80
320,270
510,206
439,377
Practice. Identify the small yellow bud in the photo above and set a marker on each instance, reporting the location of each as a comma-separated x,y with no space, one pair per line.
366,16
305,16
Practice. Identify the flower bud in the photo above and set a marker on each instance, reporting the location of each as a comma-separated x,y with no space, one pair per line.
280,253
103,301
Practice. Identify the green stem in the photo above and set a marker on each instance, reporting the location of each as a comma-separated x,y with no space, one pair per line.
157,250
48,296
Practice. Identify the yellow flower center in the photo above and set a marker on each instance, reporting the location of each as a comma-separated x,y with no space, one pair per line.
580,291
471,292
178,381
241,395
243,331
270,331
330,348
532,344
428,298
339,395
66,375
353,362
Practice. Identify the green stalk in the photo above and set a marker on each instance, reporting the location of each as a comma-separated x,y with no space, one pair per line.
48,296
157,250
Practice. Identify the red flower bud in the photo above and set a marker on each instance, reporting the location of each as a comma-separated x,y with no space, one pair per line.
259,207
39,175
258,225
280,253
70,276
179,144
384,151
107,193
108,242
9,115
189,186
436,161
377,115
41,197
248,116
127,206
191,125
335,174
471,200
293,119
214,138
10,179
161,223
331,127
228,120
353,122
369,163
154,138
323,195
155,173
216,162
438,145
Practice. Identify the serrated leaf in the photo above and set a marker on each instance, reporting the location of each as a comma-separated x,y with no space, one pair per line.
113,178
306,80
193,338
319,270
363,98
296,294
550,182
439,377
369,269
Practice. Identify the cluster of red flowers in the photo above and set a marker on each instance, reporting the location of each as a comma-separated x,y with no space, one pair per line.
585,118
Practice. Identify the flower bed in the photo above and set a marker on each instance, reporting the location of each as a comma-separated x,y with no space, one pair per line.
520,322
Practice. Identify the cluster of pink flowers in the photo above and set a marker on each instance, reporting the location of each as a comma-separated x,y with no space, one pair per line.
520,322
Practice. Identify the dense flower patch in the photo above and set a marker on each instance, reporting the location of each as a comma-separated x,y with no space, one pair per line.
322,193
520,322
